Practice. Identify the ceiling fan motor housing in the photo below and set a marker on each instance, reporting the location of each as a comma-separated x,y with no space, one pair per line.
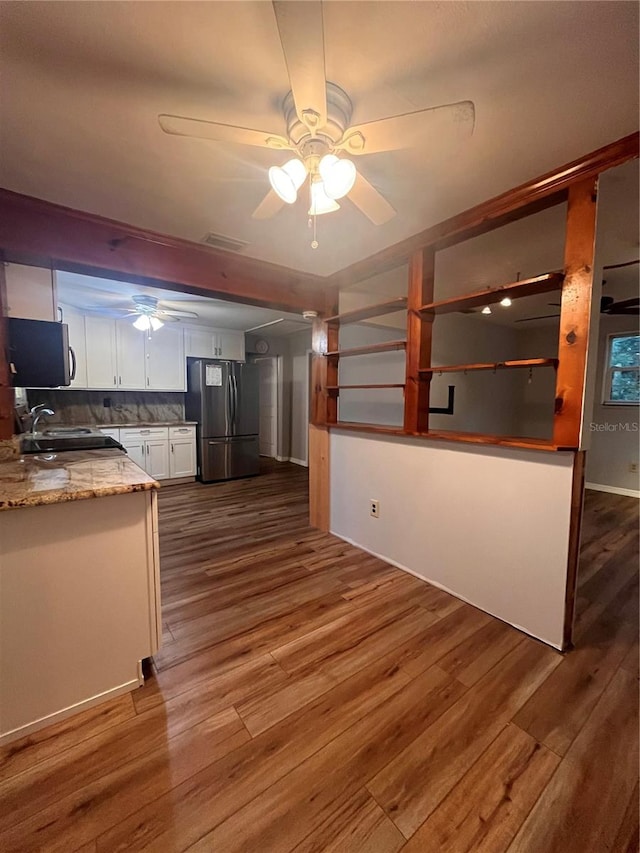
339,109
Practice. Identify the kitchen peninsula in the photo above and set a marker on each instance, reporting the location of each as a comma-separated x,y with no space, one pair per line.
79,584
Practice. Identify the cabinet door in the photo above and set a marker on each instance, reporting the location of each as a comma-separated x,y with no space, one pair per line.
166,366
130,356
77,343
182,458
30,292
136,451
232,345
199,344
101,352
157,453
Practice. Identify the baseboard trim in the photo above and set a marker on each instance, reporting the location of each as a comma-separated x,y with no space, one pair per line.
281,458
59,716
299,462
443,588
614,490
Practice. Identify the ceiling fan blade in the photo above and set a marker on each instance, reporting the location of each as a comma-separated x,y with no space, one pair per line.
302,38
169,312
269,206
201,129
445,124
543,317
374,206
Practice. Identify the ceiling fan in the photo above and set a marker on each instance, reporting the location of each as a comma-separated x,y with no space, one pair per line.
318,130
149,314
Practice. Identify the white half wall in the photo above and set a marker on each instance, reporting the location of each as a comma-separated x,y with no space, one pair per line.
489,525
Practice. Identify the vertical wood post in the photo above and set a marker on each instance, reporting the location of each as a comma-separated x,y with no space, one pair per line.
575,313
6,389
324,411
573,559
419,334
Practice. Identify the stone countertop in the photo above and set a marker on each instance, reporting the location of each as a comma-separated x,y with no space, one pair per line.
38,479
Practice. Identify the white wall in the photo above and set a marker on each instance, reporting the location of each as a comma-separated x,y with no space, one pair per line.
535,405
613,447
491,525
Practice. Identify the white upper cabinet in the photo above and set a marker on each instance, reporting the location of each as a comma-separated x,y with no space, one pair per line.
166,366
130,356
232,345
31,292
102,369
215,343
78,344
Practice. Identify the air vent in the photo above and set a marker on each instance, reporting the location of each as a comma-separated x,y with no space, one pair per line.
228,244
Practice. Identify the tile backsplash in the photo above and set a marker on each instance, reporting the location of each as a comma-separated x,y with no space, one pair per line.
88,407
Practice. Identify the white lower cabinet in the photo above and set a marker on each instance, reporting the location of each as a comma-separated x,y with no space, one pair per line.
157,453
182,451
163,452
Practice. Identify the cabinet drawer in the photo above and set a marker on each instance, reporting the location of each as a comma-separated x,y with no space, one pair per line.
143,433
182,432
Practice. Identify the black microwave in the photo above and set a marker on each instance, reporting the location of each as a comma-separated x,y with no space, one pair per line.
39,353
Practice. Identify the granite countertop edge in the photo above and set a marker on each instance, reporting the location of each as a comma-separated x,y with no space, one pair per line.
74,476
48,498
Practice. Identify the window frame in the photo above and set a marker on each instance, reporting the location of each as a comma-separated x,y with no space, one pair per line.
607,373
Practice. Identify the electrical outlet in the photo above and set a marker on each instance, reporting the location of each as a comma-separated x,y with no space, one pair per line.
633,467
374,508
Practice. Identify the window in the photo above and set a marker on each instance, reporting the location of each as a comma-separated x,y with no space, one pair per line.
622,374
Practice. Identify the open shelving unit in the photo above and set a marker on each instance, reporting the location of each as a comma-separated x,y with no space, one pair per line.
380,309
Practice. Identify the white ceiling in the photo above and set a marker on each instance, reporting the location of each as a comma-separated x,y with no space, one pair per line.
83,83
113,298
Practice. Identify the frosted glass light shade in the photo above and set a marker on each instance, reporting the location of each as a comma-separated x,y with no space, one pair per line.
286,180
320,201
337,175
156,323
143,323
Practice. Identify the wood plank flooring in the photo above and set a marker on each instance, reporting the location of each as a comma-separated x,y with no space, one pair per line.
310,697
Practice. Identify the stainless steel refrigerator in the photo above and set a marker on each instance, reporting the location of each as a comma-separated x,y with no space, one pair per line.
222,397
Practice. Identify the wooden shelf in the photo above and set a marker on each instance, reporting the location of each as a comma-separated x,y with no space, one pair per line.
377,429
369,311
498,365
515,290
339,388
387,346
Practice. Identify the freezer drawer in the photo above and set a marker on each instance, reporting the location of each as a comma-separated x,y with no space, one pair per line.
228,458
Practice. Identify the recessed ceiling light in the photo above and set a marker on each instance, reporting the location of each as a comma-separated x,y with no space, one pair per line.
506,302
486,310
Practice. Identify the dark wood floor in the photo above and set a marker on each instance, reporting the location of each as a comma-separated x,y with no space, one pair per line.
310,697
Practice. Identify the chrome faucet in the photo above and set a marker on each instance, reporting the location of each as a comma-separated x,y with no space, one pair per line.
37,412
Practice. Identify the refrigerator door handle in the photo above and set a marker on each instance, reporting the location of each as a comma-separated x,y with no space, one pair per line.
235,402
229,405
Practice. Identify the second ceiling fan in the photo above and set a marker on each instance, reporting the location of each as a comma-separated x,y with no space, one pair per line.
317,116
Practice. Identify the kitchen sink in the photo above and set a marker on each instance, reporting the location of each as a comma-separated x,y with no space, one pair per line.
60,432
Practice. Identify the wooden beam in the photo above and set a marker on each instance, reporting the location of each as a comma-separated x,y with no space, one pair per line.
338,388
575,313
7,393
419,334
36,231
573,559
528,198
